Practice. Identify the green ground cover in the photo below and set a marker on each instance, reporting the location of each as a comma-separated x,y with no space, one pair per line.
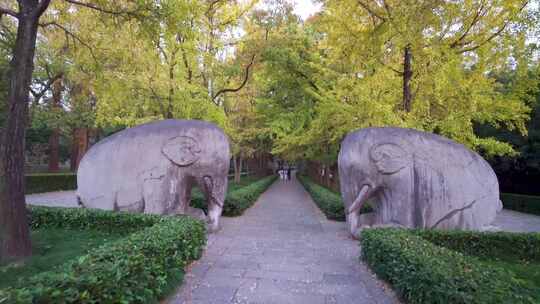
240,196
430,266
52,247
113,257
522,203
327,200
48,182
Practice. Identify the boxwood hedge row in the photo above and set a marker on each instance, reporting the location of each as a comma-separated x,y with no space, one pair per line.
328,201
239,200
47,182
519,246
422,272
521,203
136,269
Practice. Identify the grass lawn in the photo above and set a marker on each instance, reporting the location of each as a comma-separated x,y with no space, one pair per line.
51,248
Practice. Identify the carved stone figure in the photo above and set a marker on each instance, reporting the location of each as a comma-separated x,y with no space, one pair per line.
151,168
415,179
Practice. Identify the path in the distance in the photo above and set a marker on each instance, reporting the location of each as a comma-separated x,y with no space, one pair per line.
282,250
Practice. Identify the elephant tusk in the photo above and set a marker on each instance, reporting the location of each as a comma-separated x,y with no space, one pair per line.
360,199
217,202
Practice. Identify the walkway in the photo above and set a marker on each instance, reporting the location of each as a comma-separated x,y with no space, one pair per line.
282,250
507,220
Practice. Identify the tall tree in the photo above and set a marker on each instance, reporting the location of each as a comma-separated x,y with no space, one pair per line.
426,65
14,234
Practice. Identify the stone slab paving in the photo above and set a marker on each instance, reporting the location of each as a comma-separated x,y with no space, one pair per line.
507,220
53,199
282,250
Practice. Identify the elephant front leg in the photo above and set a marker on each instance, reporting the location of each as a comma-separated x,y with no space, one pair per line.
215,191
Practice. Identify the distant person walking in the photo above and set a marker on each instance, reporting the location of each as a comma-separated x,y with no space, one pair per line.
289,173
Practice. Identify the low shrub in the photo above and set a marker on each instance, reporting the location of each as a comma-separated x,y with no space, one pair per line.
239,200
199,201
48,182
519,246
521,203
135,269
95,219
328,201
422,272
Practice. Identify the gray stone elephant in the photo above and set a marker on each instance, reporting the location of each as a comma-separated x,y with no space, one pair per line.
151,168
415,179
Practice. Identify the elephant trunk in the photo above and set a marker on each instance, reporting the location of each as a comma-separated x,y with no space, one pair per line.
361,198
353,212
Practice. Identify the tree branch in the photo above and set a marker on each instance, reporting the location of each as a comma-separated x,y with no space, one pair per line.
6,11
246,77
371,11
492,36
46,86
40,9
70,34
100,9
475,19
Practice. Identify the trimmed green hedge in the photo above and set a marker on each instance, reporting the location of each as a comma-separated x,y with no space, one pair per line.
520,246
328,201
521,203
95,219
239,200
422,272
48,182
135,269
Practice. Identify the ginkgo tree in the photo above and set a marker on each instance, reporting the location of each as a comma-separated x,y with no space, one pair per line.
29,15
426,65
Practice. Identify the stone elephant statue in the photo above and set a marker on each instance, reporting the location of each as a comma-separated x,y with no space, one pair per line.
415,179
151,168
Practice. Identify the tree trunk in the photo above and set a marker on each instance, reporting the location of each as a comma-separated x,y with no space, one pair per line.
407,77
54,139
79,147
237,168
15,234
73,165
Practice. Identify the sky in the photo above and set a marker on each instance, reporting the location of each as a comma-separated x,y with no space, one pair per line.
305,8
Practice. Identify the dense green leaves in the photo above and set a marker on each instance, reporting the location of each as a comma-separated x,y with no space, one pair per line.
241,199
136,269
328,201
521,203
43,182
423,272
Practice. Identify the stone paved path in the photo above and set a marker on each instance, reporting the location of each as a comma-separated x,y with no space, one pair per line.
53,199
282,250
507,220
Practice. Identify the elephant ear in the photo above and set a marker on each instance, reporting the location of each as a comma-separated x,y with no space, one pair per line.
182,150
389,158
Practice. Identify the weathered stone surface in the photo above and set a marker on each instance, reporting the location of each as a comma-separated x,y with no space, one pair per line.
151,168
415,179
